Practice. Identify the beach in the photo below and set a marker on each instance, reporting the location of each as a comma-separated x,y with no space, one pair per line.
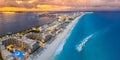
94,37
50,48
43,41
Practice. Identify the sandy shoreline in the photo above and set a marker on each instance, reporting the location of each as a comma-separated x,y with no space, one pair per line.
50,48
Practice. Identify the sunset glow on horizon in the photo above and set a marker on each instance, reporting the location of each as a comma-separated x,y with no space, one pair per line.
28,5
38,8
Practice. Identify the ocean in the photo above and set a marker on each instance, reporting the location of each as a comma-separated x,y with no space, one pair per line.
96,36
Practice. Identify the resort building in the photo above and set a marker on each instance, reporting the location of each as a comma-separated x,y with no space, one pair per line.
41,37
8,46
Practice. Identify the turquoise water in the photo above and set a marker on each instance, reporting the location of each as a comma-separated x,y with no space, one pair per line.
96,36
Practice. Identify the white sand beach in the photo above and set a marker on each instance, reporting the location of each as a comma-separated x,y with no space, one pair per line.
50,48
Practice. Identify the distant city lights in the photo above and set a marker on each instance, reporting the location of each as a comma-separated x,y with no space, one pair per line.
19,2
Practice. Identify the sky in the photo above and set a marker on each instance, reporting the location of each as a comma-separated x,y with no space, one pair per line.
58,4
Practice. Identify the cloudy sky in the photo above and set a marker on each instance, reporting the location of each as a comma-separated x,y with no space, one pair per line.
60,4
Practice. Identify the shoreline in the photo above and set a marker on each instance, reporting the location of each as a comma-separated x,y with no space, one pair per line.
61,44
51,48
36,37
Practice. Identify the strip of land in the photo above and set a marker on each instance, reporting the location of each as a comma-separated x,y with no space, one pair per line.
50,48
39,43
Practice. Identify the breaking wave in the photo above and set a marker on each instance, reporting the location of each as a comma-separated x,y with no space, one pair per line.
82,44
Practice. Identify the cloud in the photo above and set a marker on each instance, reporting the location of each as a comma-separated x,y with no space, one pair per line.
61,3
56,2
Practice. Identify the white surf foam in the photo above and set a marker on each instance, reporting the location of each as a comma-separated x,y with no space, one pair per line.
60,47
80,46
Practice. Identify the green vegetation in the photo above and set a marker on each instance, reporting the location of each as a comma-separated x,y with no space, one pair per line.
1,56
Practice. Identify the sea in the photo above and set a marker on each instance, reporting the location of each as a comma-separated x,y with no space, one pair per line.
96,36
12,22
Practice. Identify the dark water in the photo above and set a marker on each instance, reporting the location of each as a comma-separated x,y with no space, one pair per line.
14,22
96,36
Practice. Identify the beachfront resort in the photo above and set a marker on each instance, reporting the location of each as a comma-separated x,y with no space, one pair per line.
28,44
